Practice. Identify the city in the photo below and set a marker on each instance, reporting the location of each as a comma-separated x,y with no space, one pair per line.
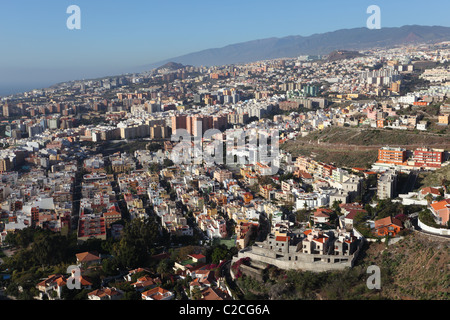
277,179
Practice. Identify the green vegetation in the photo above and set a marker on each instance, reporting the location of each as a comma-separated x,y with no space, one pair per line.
413,268
426,217
373,137
280,284
357,147
133,249
437,178
40,253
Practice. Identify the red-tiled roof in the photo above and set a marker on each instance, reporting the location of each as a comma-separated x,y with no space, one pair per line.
156,293
431,190
387,221
282,238
197,256
439,205
87,257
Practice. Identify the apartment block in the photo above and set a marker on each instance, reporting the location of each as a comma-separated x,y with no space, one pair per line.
426,157
391,155
387,185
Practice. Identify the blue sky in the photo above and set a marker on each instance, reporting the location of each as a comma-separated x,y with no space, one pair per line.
37,49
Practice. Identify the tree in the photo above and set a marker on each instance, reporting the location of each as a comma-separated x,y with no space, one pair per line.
136,242
110,266
336,207
163,268
196,294
167,163
429,198
219,253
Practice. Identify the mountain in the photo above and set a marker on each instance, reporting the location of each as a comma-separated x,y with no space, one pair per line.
316,44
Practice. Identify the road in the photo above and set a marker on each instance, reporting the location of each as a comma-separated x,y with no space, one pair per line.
229,281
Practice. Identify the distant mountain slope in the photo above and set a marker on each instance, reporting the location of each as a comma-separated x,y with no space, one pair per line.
316,44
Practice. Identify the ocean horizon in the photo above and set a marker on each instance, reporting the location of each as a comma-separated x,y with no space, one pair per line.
15,89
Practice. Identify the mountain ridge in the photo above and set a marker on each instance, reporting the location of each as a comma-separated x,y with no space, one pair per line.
316,44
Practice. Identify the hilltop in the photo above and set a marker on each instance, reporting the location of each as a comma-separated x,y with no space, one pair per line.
416,267
349,147
171,66
343,54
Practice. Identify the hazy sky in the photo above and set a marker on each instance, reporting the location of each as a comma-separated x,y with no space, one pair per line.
37,49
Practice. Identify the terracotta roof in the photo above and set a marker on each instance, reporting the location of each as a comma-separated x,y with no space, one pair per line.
156,293
352,214
320,239
282,238
146,281
54,278
214,294
323,212
87,256
387,221
104,292
197,256
439,205
431,190
305,175
195,282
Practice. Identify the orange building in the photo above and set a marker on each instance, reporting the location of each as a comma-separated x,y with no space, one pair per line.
444,119
387,226
441,211
391,155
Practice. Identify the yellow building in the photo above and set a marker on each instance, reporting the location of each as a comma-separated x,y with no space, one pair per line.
444,119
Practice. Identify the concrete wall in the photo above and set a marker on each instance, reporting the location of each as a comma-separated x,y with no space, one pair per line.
424,227
307,262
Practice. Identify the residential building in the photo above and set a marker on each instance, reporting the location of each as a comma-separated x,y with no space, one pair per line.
441,211
157,293
388,226
427,157
387,185
105,294
391,155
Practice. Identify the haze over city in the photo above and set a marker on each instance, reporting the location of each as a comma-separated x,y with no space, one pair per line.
120,37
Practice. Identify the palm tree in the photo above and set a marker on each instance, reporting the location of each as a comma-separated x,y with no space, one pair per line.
163,268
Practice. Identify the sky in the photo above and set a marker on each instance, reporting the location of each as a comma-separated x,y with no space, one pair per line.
37,49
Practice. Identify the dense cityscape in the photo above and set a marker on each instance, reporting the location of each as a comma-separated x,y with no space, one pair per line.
101,199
